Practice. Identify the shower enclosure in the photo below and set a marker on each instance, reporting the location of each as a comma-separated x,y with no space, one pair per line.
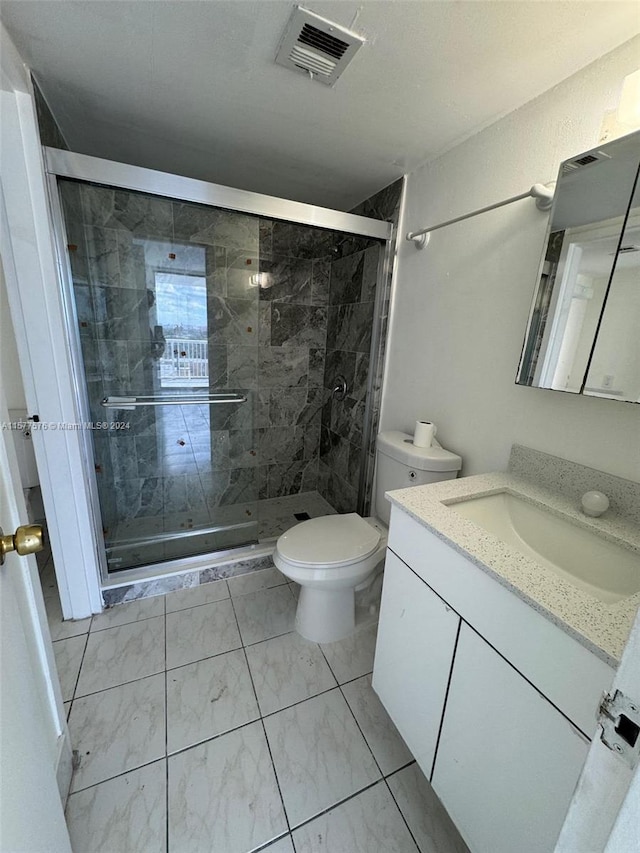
208,330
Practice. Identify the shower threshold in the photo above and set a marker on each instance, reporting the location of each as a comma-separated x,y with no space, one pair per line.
152,556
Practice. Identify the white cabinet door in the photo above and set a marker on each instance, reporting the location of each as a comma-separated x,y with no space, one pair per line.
416,639
507,761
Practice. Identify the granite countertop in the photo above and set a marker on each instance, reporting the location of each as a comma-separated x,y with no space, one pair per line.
602,628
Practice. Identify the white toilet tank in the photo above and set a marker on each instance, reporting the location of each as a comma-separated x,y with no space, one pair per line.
399,464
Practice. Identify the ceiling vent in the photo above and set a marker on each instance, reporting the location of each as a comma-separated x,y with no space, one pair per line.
319,48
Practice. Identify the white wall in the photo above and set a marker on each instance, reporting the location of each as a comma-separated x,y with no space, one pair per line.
10,377
461,304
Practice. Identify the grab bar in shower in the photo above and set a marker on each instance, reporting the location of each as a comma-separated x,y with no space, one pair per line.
136,402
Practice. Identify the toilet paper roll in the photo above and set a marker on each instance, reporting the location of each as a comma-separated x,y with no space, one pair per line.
424,434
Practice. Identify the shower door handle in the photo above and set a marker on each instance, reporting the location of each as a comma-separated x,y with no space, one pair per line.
137,402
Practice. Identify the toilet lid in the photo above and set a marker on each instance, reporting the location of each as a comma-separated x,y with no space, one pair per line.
330,540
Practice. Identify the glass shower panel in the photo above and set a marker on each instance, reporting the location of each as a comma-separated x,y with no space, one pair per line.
158,327
216,338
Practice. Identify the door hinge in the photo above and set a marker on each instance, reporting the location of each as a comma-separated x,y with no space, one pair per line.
619,717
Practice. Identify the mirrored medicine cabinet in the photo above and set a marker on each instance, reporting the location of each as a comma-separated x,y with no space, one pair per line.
583,333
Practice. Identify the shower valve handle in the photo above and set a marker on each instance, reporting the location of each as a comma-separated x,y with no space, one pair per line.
339,390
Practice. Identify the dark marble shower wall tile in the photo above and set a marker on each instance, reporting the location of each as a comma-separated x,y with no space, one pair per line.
289,279
349,327
216,270
214,453
235,486
234,415
354,463
84,310
243,448
232,321
298,325
113,358
312,442
140,497
384,204
201,224
285,406
242,366
100,250
124,459
334,450
131,257
142,215
150,462
91,361
195,223
316,367
241,268
281,444
71,201
266,236
346,279
264,324
340,494
142,422
358,390
120,313
237,231
320,281
347,417
174,494
288,479
261,414
370,273
312,412
280,367
300,241
349,244
217,357
340,363
196,500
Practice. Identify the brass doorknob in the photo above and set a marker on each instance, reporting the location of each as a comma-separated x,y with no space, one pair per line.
27,539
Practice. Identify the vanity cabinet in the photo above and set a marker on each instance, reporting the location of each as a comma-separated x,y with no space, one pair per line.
507,761
416,639
494,700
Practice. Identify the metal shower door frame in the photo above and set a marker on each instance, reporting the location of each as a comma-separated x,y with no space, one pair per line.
80,167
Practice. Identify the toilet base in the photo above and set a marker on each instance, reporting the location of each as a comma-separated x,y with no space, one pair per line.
325,615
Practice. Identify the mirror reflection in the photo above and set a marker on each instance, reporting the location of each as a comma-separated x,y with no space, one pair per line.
582,331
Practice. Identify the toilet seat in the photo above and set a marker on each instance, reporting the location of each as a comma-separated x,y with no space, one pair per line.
331,541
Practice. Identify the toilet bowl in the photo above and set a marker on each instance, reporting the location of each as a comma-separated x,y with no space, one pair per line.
334,556
330,557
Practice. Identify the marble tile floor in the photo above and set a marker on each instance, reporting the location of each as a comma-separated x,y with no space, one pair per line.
203,722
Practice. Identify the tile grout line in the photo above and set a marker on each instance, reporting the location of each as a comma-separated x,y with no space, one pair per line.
264,730
406,822
75,686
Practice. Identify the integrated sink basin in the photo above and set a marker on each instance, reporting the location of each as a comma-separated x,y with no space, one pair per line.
605,570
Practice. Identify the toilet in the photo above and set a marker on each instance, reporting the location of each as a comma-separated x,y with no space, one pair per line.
334,556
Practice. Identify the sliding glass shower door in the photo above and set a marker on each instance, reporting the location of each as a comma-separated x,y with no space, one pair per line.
207,343
168,327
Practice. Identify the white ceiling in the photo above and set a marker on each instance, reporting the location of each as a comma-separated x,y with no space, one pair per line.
192,87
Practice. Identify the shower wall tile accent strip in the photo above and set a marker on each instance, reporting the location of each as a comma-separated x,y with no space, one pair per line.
352,291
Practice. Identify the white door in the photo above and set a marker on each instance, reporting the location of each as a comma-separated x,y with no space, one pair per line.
33,734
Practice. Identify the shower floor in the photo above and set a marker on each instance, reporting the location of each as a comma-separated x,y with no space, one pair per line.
144,541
